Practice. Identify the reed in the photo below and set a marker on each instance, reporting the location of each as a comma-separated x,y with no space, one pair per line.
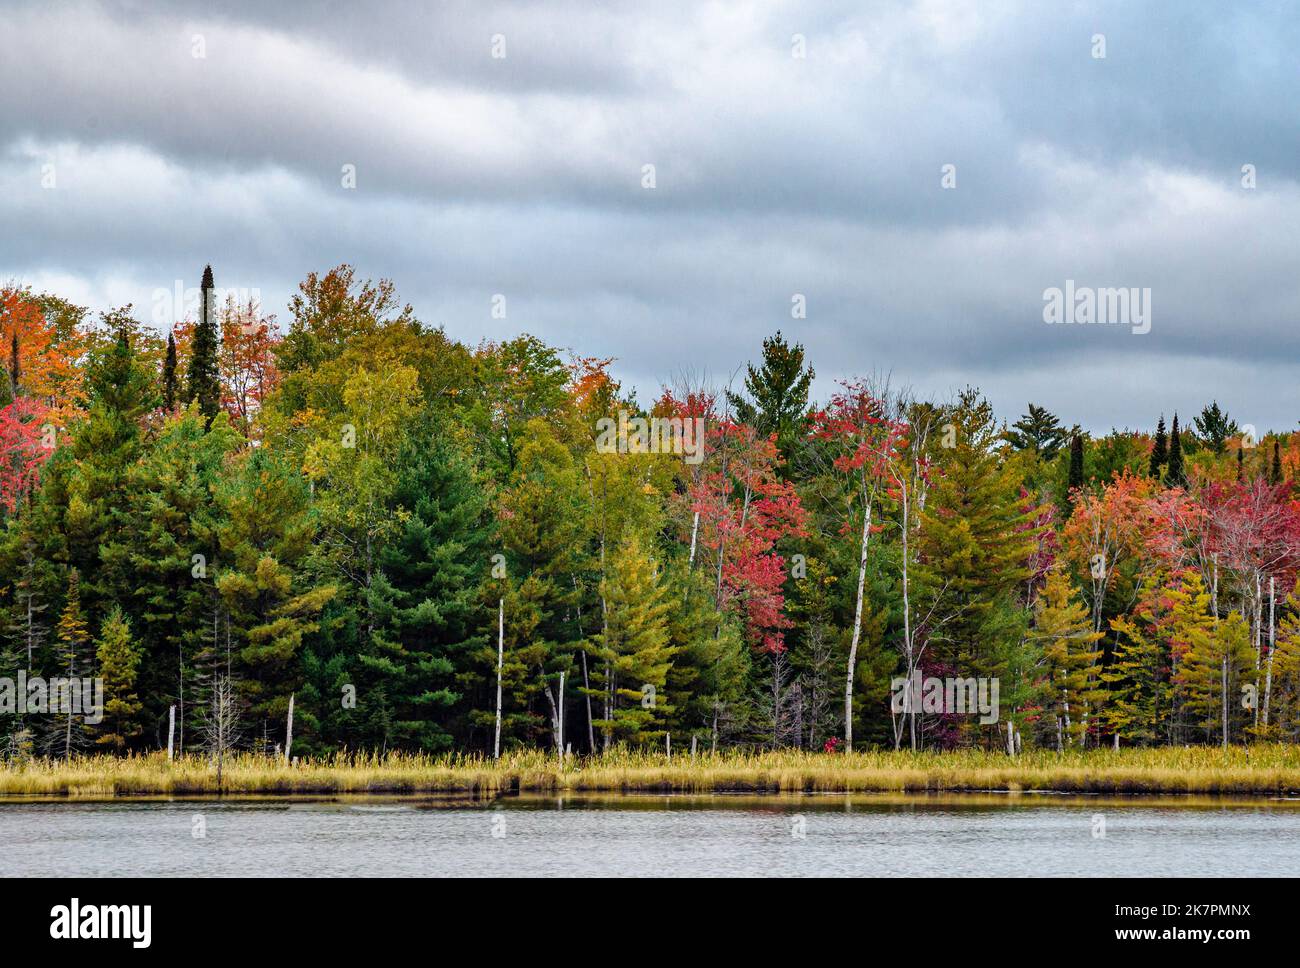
1263,769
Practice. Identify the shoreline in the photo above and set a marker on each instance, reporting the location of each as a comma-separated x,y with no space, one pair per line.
1259,771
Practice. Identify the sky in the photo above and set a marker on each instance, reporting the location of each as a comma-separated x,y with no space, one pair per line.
800,153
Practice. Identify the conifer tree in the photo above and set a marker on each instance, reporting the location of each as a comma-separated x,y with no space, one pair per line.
1176,475
15,369
119,663
1076,462
1275,472
203,382
1160,449
1070,657
170,387
1219,658
975,541
635,647
777,393
1038,431
73,636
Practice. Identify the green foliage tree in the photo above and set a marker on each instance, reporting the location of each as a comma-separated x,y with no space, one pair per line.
1040,432
776,400
1159,449
1214,427
203,380
119,663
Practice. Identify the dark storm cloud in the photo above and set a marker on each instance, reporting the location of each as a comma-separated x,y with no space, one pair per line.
775,175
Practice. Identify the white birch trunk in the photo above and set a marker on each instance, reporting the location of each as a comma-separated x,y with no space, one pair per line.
857,634
288,732
501,652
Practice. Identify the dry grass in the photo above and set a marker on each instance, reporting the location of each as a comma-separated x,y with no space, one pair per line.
1264,769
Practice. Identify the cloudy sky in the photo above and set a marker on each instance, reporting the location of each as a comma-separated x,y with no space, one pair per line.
219,132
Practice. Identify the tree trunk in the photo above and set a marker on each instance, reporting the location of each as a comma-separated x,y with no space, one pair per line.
288,732
501,652
857,634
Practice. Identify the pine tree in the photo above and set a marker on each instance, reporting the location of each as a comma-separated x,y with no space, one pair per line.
635,647
265,538
1241,461
15,370
1275,472
1214,426
1160,449
430,613
203,382
1070,657
119,663
1076,462
1219,658
170,387
777,393
1039,431
975,540
1176,475
1139,698
73,635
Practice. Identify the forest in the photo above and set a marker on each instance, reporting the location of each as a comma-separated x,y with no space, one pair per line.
422,546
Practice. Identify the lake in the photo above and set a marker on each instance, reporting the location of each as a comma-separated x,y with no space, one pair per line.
641,835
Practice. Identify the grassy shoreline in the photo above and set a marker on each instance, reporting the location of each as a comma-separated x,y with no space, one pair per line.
1258,770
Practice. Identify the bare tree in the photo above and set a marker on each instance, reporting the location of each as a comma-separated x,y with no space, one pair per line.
220,724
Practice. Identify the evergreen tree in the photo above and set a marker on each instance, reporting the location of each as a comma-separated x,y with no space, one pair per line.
15,370
431,614
1070,659
1076,462
1038,431
975,541
203,382
1214,427
170,387
119,662
1241,461
1176,474
1275,472
73,635
1160,449
777,400
634,647
265,536
1218,659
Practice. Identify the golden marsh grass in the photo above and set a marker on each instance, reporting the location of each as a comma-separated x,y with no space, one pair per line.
1261,770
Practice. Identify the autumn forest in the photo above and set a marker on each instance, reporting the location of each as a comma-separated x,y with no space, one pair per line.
422,547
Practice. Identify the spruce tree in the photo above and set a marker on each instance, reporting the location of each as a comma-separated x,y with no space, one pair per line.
15,369
777,393
1076,462
73,636
203,382
1176,476
1160,449
1275,473
170,387
119,663
1241,462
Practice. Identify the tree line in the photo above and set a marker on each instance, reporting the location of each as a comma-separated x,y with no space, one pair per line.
390,529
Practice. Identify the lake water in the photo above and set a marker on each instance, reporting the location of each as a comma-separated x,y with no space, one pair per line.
680,836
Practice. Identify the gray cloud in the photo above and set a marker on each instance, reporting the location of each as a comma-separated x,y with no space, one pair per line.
775,175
